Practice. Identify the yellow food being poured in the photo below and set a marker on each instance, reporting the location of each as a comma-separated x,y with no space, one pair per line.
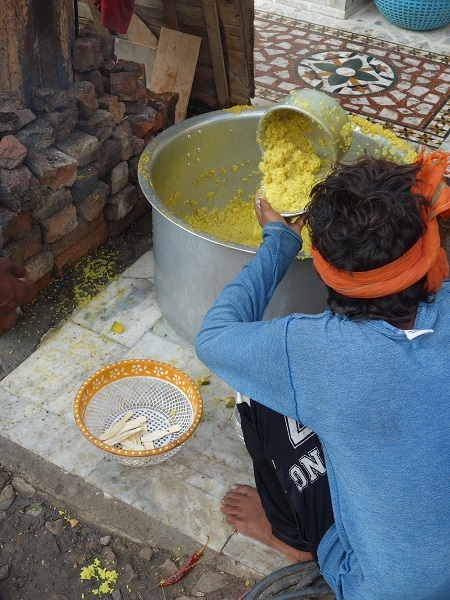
289,166
289,169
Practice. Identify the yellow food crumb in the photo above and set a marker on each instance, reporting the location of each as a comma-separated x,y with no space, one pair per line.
171,200
202,381
230,402
95,571
240,108
117,327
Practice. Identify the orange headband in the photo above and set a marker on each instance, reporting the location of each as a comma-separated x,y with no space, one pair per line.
426,257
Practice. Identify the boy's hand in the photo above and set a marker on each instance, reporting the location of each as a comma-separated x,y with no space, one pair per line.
266,214
14,287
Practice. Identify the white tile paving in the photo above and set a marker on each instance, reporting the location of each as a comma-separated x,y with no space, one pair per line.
184,491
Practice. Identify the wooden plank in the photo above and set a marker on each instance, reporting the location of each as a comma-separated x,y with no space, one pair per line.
174,69
139,33
96,18
171,14
247,12
216,49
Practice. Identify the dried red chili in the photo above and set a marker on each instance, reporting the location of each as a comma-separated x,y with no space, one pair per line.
185,567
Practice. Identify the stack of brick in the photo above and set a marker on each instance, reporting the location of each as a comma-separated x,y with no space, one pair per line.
68,168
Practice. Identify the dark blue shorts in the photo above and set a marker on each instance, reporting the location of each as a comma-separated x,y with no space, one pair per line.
290,476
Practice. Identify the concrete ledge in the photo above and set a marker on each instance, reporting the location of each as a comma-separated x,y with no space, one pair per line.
103,511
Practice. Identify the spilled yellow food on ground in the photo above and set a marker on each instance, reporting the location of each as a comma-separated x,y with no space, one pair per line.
288,170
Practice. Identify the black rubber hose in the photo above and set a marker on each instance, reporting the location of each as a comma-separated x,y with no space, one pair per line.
311,592
284,579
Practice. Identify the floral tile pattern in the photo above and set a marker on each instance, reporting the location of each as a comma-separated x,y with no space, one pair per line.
404,88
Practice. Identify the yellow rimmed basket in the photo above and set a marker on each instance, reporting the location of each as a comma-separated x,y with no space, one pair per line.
162,393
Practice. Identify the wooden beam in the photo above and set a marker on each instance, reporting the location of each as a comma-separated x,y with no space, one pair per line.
216,50
171,15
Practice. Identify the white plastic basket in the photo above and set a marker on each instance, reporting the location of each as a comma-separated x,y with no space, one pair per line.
162,393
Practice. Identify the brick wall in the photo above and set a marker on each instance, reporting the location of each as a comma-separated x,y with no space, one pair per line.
68,163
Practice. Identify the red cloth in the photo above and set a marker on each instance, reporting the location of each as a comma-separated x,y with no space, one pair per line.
115,14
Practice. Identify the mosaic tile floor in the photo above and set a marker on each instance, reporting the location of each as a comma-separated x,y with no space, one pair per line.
404,87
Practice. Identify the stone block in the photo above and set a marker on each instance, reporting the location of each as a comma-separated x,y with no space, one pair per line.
52,201
12,152
86,98
37,135
150,121
53,168
134,108
124,85
59,225
9,321
117,179
25,116
133,67
122,133
113,106
141,208
138,145
165,103
94,77
107,67
62,121
39,265
13,226
106,41
65,261
19,190
87,54
9,121
106,86
83,229
109,156
49,99
85,182
26,247
12,119
120,204
81,146
100,125
133,164
89,208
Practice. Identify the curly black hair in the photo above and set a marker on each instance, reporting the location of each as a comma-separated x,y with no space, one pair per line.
361,217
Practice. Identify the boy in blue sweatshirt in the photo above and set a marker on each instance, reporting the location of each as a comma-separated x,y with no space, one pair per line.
347,424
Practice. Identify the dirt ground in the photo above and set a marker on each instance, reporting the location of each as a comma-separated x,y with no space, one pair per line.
43,551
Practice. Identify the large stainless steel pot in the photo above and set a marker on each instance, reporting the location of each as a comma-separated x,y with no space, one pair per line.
192,267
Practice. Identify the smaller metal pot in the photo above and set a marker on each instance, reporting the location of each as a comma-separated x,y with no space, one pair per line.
329,128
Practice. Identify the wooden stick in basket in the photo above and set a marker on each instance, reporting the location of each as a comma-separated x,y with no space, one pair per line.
122,436
117,426
159,433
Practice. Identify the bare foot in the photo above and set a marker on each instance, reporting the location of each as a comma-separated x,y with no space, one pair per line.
244,511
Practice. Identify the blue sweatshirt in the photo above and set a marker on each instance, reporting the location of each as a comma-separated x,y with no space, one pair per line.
378,402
